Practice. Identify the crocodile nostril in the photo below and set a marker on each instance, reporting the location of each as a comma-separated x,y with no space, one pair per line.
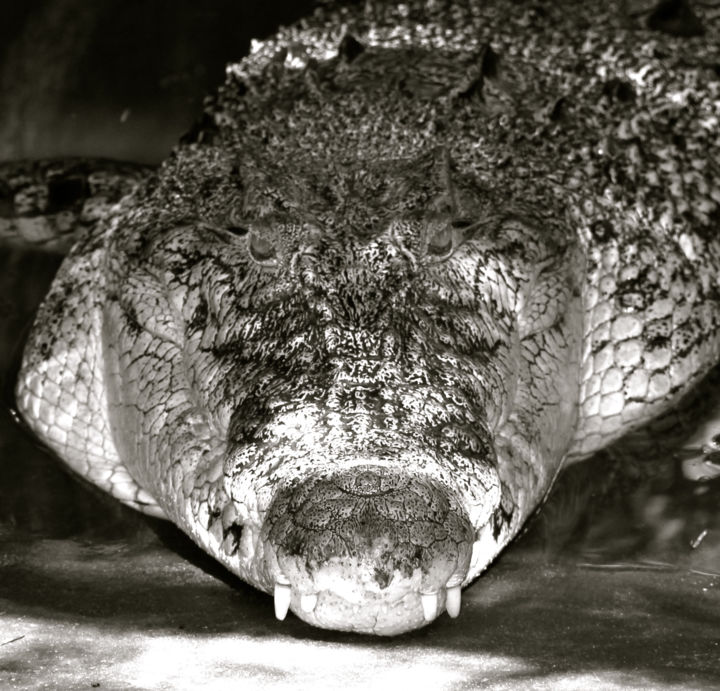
370,481
367,483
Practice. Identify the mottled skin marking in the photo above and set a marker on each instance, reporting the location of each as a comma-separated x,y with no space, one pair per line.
417,258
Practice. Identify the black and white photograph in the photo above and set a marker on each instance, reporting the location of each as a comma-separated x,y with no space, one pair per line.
360,344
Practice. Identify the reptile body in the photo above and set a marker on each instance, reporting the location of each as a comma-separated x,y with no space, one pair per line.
414,259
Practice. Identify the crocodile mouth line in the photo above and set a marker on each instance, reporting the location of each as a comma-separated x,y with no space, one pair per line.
418,606
365,548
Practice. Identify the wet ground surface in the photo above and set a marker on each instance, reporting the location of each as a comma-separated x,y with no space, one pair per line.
133,614
615,584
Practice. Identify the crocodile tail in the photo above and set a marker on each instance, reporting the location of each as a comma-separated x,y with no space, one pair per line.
48,204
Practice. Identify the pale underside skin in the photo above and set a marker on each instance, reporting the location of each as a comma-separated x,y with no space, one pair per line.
351,378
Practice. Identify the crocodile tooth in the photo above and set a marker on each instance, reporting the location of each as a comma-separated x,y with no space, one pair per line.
429,605
453,600
308,601
282,600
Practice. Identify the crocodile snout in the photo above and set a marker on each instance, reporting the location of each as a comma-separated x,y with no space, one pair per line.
369,549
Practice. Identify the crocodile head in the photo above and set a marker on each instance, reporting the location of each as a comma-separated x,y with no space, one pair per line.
366,354
367,399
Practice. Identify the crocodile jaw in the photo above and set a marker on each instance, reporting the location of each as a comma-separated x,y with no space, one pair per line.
281,530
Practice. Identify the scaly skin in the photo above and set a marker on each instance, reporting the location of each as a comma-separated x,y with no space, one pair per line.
416,258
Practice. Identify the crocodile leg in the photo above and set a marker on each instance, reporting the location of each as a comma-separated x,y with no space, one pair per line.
61,391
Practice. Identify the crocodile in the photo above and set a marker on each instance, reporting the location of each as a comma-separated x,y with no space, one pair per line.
412,261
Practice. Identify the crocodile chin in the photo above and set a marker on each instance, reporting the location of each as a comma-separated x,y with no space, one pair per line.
368,549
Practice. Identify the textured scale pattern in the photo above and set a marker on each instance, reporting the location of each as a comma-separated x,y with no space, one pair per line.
415,258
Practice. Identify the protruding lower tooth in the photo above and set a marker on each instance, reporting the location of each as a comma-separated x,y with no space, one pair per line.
282,600
452,600
308,602
429,605
456,579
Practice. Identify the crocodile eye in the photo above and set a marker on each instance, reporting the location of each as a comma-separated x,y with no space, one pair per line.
448,238
441,243
262,250
236,224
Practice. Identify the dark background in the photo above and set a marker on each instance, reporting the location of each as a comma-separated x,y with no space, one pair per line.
117,78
